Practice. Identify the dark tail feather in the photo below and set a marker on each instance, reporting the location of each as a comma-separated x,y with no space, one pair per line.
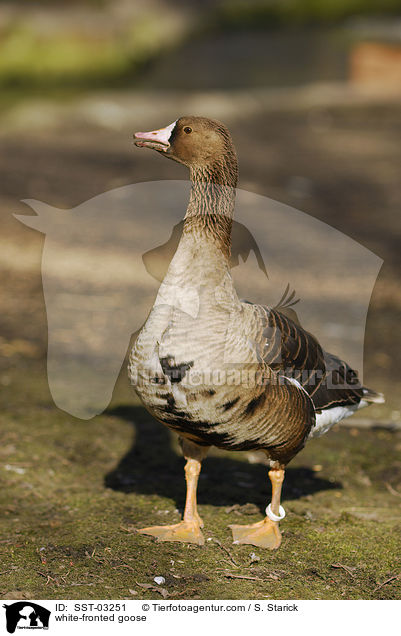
373,396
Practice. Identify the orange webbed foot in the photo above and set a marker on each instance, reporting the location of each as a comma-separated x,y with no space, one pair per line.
185,532
263,534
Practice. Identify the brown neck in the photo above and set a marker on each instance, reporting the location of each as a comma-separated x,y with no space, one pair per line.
211,205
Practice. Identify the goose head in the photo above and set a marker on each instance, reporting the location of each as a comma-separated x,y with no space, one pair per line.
203,145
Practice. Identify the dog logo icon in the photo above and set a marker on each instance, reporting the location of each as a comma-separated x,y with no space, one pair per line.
26,615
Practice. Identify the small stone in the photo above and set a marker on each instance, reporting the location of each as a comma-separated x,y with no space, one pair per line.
15,469
160,580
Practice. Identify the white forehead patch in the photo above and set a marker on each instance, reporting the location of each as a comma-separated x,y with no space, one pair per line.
164,134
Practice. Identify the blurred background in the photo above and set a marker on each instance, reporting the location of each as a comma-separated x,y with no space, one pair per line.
311,93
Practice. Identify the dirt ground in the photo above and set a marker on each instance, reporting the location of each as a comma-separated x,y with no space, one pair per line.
73,491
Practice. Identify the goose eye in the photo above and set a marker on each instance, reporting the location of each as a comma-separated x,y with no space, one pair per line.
187,130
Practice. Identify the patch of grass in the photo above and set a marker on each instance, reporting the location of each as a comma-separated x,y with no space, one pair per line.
72,493
30,59
26,54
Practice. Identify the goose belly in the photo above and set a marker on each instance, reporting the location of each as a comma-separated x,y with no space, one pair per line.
195,402
179,357
208,415
229,415
173,366
180,371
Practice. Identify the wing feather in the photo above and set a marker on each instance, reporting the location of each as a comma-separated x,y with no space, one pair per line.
292,351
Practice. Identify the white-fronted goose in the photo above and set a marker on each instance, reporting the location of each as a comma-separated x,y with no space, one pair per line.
225,372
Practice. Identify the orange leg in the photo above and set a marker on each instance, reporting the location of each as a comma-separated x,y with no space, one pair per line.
266,533
189,529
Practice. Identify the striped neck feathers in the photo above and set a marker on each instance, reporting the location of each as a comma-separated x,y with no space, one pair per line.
211,205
